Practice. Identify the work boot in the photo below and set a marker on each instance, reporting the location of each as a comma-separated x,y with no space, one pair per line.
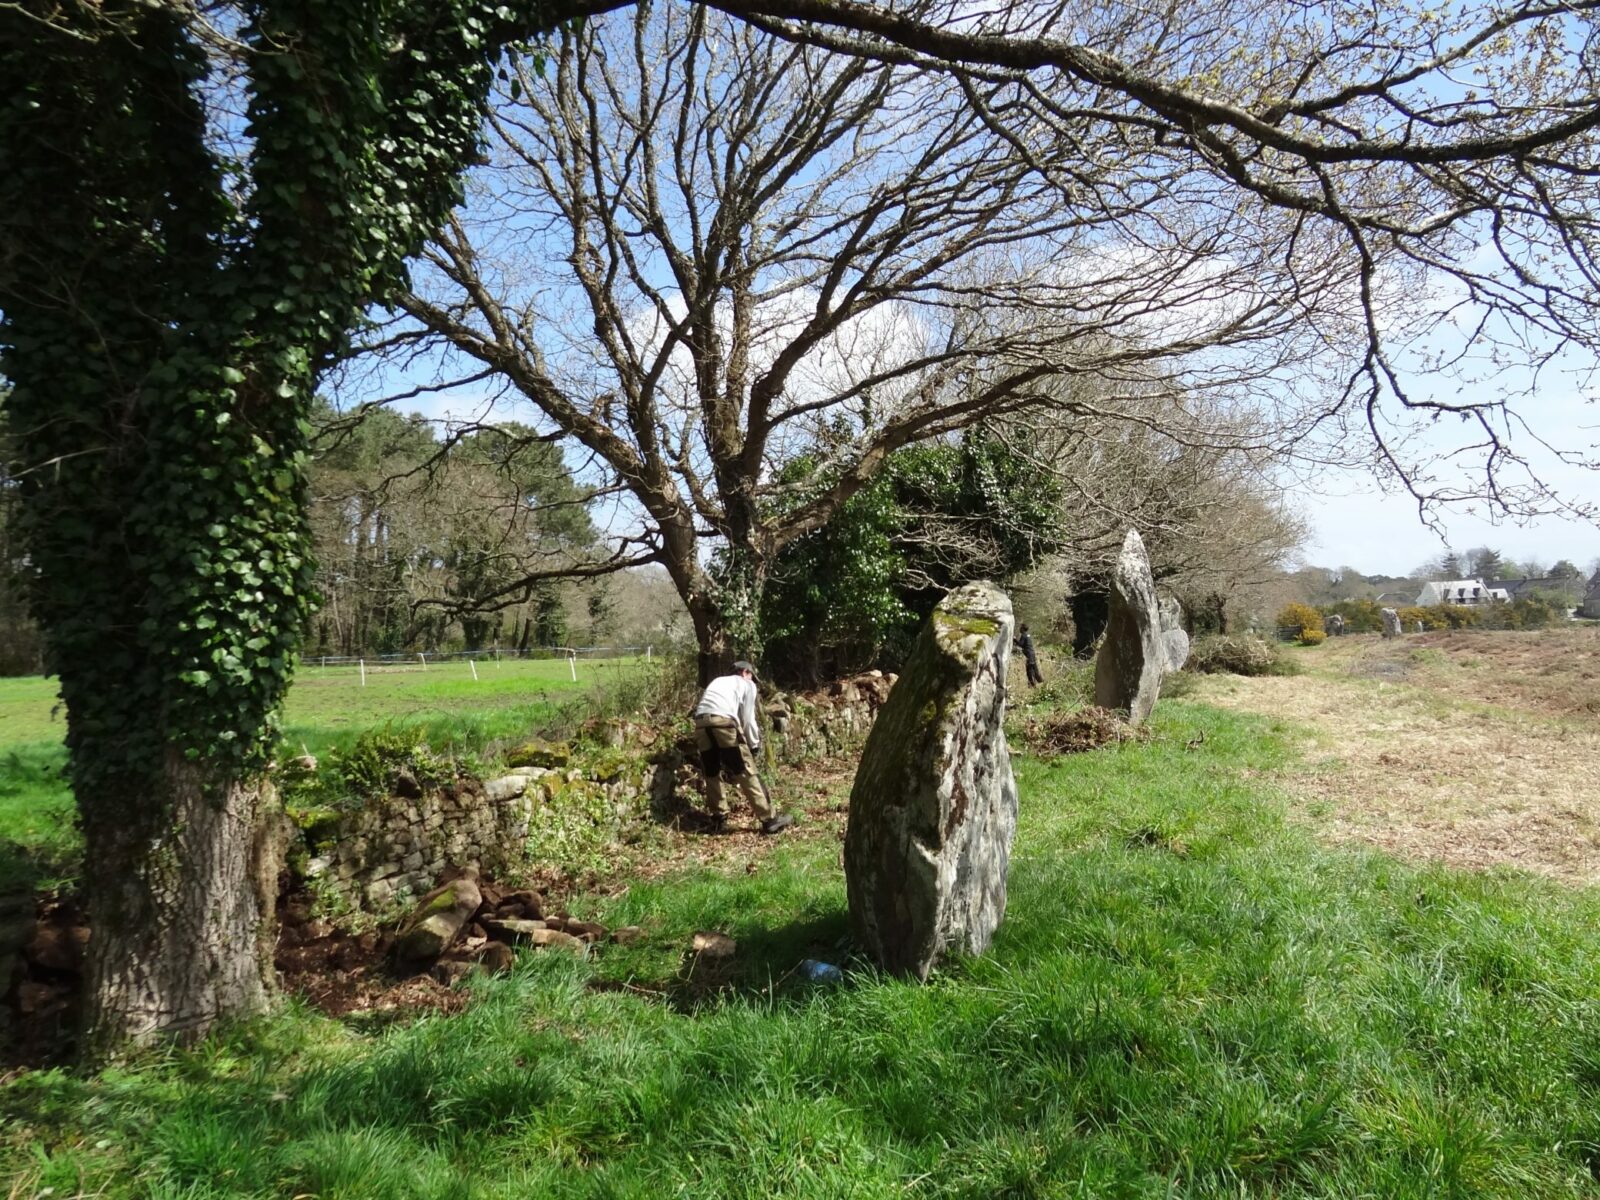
717,823
776,824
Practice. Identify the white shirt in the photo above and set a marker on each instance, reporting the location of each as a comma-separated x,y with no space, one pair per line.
732,696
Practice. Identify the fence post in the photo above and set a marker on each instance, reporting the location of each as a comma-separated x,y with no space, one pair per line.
572,663
474,667
363,664
424,659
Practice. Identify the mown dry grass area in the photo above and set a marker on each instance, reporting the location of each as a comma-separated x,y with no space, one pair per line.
1480,749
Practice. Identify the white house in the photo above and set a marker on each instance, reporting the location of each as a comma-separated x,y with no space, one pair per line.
1591,599
1460,591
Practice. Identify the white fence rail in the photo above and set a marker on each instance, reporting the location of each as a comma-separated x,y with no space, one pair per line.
423,660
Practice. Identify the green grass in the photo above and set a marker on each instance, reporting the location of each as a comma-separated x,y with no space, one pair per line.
326,709
1188,998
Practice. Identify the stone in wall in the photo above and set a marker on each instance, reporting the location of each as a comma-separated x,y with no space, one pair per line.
829,721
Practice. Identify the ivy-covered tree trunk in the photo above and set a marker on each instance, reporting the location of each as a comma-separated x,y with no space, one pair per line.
725,610
166,310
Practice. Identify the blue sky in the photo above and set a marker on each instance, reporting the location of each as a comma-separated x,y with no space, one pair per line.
1354,522
1357,524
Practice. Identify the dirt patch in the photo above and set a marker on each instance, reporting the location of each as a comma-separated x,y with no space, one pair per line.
349,975
817,795
1474,748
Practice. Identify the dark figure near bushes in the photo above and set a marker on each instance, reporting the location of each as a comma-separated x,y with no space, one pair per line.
1025,644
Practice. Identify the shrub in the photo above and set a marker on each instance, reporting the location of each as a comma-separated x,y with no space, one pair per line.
1299,618
1440,616
1312,637
1538,611
1233,655
373,765
379,762
854,593
1360,616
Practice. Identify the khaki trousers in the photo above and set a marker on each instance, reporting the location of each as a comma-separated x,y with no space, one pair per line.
723,751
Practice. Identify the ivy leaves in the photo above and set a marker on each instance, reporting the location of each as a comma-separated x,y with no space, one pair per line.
174,389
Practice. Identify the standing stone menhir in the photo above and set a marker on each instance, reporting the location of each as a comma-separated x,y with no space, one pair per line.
934,805
1174,638
1127,671
1391,623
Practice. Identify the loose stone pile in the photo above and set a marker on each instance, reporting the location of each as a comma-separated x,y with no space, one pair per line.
41,971
466,924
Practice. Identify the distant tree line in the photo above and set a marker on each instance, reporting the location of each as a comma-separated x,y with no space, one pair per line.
416,539
1489,565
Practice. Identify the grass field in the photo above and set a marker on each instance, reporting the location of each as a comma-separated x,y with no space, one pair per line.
1190,997
1480,748
326,707
1194,995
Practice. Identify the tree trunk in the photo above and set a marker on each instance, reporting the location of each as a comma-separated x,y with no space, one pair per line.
176,899
711,632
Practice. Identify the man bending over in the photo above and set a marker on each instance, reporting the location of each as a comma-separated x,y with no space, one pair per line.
727,736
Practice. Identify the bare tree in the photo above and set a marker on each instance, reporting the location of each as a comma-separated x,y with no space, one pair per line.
1214,517
701,249
1447,153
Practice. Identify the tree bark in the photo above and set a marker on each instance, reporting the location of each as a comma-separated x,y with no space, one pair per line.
176,903
711,633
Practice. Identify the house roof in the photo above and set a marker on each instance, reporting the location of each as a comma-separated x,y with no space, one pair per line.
1448,591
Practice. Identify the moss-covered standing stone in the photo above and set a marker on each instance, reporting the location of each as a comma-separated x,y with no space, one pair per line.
1127,671
934,806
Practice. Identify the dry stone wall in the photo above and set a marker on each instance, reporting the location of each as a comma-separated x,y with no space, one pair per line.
829,721
394,849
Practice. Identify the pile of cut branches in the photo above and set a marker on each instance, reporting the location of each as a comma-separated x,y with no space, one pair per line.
1074,732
